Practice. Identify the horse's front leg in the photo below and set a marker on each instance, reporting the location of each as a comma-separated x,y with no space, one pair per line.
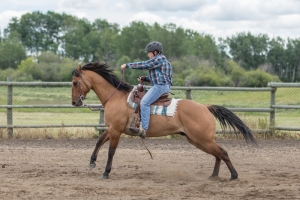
114,141
104,138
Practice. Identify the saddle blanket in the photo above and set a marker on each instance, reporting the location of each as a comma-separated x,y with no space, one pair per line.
156,110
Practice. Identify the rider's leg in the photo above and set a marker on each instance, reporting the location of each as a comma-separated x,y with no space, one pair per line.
151,96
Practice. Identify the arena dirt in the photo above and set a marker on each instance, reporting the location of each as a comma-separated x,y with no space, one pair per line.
57,169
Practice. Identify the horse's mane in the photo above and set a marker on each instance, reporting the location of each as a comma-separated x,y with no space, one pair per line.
103,70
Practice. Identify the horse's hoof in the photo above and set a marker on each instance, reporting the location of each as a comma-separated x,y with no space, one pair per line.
104,177
92,166
233,178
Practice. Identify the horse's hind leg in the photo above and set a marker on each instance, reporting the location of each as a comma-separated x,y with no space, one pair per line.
104,138
220,154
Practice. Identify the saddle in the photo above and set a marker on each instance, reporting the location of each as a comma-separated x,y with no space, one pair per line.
137,96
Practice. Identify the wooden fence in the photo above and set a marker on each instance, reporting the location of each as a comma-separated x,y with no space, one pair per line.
272,87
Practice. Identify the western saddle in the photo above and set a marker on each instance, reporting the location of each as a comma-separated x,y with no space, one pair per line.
136,97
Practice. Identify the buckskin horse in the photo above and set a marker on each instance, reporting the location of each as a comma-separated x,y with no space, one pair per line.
193,120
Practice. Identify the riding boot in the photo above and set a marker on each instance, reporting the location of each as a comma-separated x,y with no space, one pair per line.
143,134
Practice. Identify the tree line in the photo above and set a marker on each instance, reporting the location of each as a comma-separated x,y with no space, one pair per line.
48,46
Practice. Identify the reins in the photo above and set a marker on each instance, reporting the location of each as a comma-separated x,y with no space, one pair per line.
147,149
115,89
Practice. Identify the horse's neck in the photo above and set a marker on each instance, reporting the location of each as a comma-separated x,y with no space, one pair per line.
106,92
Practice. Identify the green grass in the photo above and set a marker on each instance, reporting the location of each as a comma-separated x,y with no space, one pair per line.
62,95
229,98
47,118
42,95
288,96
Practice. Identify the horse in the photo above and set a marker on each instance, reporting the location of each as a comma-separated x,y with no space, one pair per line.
197,122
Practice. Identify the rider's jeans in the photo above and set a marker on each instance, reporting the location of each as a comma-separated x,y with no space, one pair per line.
151,96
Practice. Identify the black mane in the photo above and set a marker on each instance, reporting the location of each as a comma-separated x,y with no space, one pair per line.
103,70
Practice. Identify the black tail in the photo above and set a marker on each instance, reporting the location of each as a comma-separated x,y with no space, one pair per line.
228,118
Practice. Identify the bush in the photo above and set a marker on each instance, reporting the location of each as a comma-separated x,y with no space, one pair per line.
9,72
258,78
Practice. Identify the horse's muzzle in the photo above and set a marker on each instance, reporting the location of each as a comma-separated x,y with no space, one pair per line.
77,103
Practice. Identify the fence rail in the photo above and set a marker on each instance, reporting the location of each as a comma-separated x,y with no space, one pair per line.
272,88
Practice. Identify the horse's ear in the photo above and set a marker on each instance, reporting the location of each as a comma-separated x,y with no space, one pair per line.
78,70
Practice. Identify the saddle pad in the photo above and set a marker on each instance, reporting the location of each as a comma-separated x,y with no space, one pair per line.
156,110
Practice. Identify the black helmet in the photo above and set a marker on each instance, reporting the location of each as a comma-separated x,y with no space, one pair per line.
152,46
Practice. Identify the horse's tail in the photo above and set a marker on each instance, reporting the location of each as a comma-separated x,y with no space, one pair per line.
229,119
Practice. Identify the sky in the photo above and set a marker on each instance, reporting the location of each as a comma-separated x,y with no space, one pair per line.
219,18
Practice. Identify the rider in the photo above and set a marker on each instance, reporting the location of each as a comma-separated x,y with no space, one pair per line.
160,78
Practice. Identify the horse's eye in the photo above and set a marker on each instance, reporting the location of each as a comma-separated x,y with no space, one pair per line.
74,83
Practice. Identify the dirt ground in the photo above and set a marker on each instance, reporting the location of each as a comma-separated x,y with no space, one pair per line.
57,169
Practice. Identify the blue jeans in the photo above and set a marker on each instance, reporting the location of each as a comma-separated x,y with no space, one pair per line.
151,96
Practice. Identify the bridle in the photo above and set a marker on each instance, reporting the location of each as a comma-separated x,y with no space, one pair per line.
81,96
91,107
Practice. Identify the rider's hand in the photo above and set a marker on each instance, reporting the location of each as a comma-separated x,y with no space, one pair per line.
123,66
140,79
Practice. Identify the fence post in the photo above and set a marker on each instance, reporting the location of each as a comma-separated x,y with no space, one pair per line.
101,120
188,94
9,110
272,113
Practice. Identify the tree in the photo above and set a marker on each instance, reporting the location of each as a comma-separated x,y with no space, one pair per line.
11,52
204,47
183,68
76,43
247,50
46,67
106,50
101,25
133,40
103,40
37,31
293,60
51,37
277,56
172,38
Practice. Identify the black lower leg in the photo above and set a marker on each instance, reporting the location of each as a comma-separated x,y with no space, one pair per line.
216,168
111,153
225,158
234,174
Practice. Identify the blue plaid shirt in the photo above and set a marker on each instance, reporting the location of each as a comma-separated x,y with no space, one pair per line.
160,70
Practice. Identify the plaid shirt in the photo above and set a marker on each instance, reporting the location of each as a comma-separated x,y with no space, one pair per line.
160,70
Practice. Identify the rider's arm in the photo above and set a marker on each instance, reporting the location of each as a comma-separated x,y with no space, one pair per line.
145,65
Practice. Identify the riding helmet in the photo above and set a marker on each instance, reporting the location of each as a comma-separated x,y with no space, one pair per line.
152,46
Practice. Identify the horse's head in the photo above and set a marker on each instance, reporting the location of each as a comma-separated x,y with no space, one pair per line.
80,87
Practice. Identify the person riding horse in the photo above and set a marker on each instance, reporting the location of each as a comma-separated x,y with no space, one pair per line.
160,78
195,121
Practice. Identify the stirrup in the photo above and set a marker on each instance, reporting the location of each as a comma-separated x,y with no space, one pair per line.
143,134
138,132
